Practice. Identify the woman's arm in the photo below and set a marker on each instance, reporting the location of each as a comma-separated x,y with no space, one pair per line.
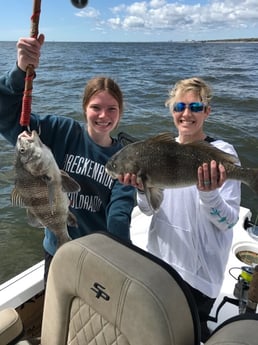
12,86
119,210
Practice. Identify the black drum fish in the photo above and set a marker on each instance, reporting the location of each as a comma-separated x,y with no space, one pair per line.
41,187
161,162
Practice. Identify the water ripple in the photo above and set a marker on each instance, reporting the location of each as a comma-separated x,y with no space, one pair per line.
145,72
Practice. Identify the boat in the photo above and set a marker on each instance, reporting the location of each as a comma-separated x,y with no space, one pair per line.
25,292
243,256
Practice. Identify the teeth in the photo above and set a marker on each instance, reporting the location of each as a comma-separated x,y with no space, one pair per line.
186,121
103,123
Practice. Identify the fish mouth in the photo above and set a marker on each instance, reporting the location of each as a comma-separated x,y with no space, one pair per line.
25,135
24,139
28,135
24,145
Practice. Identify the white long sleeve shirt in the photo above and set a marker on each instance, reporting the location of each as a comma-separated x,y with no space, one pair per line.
192,231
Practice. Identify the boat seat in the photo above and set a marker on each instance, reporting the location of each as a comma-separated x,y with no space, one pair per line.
239,330
10,325
101,291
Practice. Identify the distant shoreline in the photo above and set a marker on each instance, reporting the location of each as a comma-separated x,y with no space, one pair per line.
233,40
224,40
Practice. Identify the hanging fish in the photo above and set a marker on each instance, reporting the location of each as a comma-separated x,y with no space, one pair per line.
41,187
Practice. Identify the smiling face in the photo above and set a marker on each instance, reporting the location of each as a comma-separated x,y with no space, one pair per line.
189,118
102,115
190,123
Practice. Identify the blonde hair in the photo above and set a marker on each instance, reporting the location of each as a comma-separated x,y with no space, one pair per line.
196,85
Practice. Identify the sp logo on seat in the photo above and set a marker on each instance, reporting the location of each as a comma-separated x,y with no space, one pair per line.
99,289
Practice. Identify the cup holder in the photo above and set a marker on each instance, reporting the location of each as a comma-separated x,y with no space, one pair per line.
246,252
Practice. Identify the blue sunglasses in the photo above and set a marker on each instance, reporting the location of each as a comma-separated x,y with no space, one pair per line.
195,107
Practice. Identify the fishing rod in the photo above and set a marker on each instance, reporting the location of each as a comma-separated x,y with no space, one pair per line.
79,3
30,73
27,93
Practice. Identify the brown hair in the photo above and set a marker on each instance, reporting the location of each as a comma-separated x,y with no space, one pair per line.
99,84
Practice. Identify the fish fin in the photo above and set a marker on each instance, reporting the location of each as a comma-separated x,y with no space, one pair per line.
45,178
71,220
51,191
125,138
16,198
69,185
224,156
166,137
34,221
251,178
154,197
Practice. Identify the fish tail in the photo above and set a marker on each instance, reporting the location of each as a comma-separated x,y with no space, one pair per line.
252,181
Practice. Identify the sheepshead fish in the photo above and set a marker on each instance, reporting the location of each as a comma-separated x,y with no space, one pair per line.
160,162
41,187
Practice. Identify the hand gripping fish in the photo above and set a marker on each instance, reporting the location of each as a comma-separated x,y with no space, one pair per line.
160,162
41,187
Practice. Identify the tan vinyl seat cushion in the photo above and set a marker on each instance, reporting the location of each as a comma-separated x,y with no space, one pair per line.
10,325
242,331
100,292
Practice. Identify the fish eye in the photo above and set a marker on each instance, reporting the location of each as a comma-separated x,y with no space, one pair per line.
114,165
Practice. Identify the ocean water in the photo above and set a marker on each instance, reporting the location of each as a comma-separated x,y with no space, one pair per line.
145,72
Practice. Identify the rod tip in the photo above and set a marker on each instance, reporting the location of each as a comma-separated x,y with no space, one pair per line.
79,3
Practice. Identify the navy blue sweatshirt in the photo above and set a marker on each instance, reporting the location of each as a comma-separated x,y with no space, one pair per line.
102,203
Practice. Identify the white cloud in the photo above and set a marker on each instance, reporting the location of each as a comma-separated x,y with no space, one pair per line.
177,19
138,9
157,3
89,12
114,22
118,8
167,15
133,22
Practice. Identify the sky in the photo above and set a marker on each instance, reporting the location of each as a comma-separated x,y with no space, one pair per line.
132,21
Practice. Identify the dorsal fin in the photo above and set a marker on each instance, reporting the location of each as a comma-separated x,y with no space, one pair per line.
213,150
166,137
